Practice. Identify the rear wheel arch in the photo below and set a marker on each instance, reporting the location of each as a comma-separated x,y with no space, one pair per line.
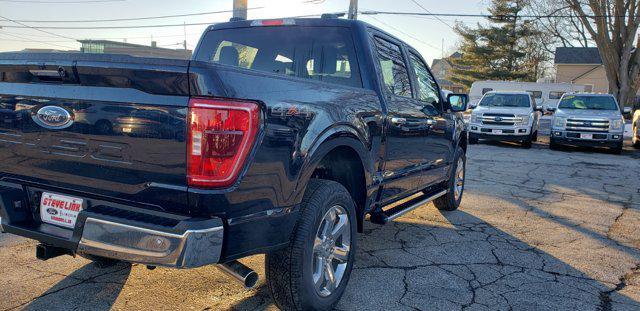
342,158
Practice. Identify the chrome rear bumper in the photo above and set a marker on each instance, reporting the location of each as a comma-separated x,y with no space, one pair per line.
189,249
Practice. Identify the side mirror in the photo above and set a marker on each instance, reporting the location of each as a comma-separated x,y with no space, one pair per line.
551,109
626,110
538,108
458,102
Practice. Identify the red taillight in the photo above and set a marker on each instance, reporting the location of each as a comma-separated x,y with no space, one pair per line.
221,134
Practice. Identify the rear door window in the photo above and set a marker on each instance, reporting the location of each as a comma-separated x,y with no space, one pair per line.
319,53
394,69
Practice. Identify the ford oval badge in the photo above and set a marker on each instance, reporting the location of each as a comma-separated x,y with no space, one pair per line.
53,117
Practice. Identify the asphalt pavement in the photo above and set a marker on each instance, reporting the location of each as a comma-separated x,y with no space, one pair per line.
537,230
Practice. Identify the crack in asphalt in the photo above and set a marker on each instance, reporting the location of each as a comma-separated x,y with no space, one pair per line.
605,297
518,244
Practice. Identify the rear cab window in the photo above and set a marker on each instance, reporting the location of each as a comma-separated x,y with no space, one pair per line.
317,53
395,74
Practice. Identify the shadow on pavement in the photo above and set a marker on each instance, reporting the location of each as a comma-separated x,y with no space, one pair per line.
458,261
92,287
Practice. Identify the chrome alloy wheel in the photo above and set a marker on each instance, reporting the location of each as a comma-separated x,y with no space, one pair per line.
331,250
459,180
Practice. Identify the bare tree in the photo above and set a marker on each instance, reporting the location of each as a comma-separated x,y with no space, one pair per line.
613,25
557,24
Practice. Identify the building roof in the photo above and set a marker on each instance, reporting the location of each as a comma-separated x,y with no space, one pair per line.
122,44
577,56
440,60
446,59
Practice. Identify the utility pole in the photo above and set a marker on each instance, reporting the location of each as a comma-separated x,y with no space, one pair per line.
240,9
353,9
184,43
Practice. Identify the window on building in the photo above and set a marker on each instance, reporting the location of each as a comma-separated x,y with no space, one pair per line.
536,94
394,70
318,53
556,94
588,88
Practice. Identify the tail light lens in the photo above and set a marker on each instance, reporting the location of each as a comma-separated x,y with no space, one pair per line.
221,134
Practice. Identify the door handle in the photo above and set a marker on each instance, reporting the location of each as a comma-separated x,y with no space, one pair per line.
397,121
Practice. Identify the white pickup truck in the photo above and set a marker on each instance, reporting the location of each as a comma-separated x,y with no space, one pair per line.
590,120
505,116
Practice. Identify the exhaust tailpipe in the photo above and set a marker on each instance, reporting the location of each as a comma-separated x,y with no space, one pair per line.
240,272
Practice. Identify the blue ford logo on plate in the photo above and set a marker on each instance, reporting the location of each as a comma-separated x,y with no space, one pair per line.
53,117
52,211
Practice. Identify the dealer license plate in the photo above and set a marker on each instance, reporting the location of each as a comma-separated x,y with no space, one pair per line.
497,132
586,136
60,210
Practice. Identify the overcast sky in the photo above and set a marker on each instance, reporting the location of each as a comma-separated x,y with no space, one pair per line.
424,33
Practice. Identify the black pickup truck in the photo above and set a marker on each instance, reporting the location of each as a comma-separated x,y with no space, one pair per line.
279,137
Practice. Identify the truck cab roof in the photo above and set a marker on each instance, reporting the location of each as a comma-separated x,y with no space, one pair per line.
304,22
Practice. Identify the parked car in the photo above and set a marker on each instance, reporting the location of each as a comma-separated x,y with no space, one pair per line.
585,119
635,125
505,116
295,130
545,94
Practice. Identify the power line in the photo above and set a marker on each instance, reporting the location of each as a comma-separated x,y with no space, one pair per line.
497,17
130,19
61,2
123,27
108,27
104,38
425,9
38,41
34,28
403,32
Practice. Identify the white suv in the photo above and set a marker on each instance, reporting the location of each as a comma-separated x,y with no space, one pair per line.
505,116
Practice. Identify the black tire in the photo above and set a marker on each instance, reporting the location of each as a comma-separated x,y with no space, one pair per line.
535,136
553,145
527,143
449,201
617,149
473,140
288,271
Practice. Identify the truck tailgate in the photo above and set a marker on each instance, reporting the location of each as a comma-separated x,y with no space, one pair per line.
104,126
